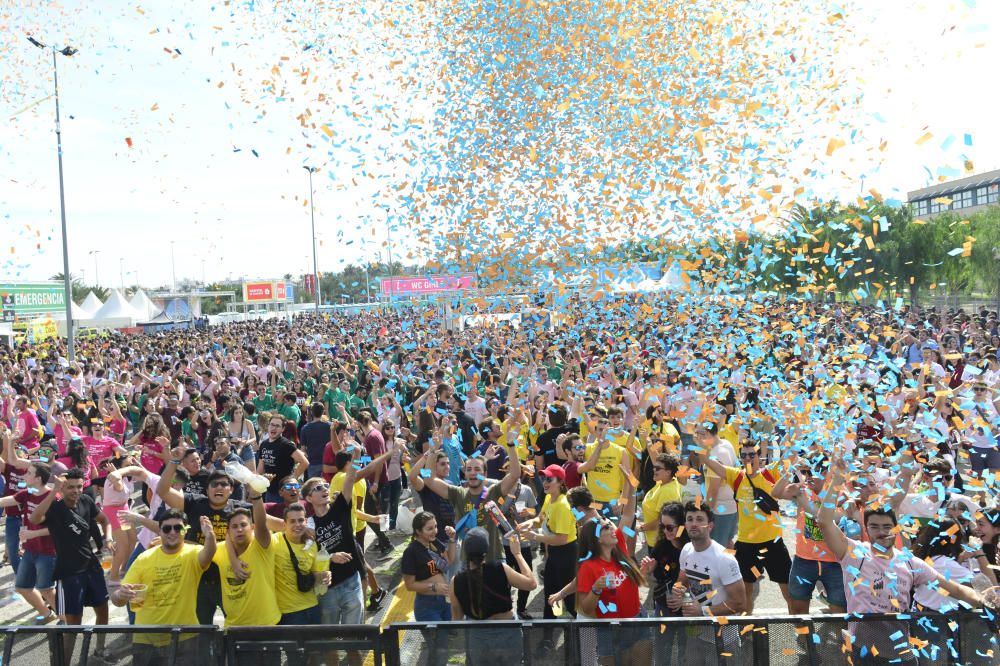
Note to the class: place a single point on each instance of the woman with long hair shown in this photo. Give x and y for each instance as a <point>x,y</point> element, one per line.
<point>241,432</point>
<point>210,428</point>
<point>483,592</point>
<point>425,567</point>
<point>607,586</point>
<point>153,428</point>
<point>988,530</point>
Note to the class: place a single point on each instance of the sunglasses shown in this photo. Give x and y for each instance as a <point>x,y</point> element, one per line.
<point>669,528</point>
<point>748,456</point>
<point>219,484</point>
<point>546,479</point>
<point>291,486</point>
<point>167,529</point>
<point>580,447</point>
<point>320,486</point>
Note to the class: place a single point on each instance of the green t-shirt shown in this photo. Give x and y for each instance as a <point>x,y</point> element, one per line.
<point>264,403</point>
<point>291,413</point>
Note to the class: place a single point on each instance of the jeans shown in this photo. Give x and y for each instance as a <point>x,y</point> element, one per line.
<point>344,603</point>
<point>725,528</point>
<point>314,470</point>
<point>12,541</point>
<point>427,608</point>
<point>431,608</point>
<point>136,552</point>
<point>804,575</point>
<point>388,496</point>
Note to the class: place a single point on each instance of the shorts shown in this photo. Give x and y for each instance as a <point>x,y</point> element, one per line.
<point>344,603</point>
<point>615,640</point>
<point>306,616</point>
<point>984,458</point>
<point>111,511</point>
<point>35,571</point>
<point>770,556</point>
<point>80,590</point>
<point>806,573</point>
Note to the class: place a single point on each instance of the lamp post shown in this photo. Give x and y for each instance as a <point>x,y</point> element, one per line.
<point>66,51</point>
<point>97,274</point>
<point>312,218</point>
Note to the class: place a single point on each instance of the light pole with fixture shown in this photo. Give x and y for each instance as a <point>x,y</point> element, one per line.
<point>312,218</point>
<point>97,274</point>
<point>66,51</point>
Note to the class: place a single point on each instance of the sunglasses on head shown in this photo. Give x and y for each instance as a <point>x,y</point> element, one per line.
<point>167,529</point>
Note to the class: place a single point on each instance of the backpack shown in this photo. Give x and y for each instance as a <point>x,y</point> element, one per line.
<point>761,497</point>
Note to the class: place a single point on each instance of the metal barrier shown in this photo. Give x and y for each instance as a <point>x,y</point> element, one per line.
<point>965,639</point>
<point>955,639</point>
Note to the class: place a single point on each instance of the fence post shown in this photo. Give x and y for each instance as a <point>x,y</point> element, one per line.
<point>761,645</point>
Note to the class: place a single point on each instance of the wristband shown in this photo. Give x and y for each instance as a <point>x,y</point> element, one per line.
<point>254,499</point>
<point>594,592</point>
<point>175,462</point>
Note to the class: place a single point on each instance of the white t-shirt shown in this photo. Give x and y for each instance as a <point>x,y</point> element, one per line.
<point>476,408</point>
<point>708,572</point>
<point>932,599</point>
<point>725,500</point>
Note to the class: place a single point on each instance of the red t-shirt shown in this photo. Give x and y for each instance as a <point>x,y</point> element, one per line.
<point>28,422</point>
<point>619,598</point>
<point>329,459</point>
<point>573,477</point>
<point>11,477</point>
<point>28,502</point>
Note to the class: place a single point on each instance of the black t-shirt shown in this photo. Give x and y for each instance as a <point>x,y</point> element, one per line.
<point>277,459</point>
<point>666,571</point>
<point>198,483</point>
<point>314,437</point>
<point>72,530</point>
<point>442,509</point>
<point>196,506</point>
<point>422,562</point>
<point>467,426</point>
<point>546,442</point>
<point>335,534</point>
<point>495,596</point>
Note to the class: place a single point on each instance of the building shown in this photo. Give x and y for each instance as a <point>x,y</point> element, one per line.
<point>965,195</point>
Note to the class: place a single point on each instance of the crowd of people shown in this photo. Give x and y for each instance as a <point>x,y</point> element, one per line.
<point>652,452</point>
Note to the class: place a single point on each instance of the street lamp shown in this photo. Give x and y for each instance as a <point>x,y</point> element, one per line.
<point>66,51</point>
<point>173,267</point>
<point>97,275</point>
<point>312,217</point>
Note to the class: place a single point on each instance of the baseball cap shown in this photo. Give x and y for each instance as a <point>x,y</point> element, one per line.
<point>556,471</point>
<point>476,542</point>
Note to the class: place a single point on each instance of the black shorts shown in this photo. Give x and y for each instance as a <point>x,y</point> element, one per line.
<point>756,558</point>
<point>79,590</point>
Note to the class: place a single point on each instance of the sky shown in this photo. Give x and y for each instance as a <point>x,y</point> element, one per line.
<point>184,141</point>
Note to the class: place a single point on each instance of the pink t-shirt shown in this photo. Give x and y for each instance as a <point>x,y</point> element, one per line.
<point>118,428</point>
<point>62,439</point>
<point>149,460</point>
<point>879,585</point>
<point>28,424</point>
<point>98,450</point>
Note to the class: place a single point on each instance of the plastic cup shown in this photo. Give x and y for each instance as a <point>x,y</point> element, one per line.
<point>557,608</point>
<point>383,522</point>
<point>323,558</point>
<point>106,562</point>
<point>123,519</point>
<point>140,596</point>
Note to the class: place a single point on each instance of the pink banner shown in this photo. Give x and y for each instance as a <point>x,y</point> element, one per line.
<point>429,284</point>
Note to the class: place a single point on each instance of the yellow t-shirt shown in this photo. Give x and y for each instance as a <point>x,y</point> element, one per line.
<point>522,439</point>
<point>729,433</point>
<point>249,602</point>
<point>171,589</point>
<point>360,490</point>
<point>754,526</point>
<point>557,517</point>
<point>286,589</point>
<point>658,495</point>
<point>606,481</point>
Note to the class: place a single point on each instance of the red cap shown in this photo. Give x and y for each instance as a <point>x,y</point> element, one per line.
<point>556,471</point>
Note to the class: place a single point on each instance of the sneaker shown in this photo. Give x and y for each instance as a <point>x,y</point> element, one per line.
<point>103,656</point>
<point>375,600</point>
<point>46,619</point>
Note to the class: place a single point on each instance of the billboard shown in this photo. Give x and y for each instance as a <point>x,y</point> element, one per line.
<point>266,292</point>
<point>26,300</point>
<point>416,285</point>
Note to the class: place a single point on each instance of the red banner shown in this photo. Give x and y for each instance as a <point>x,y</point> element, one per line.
<point>260,291</point>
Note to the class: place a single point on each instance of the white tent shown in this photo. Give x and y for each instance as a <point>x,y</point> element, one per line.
<point>116,313</point>
<point>79,314</point>
<point>91,304</point>
<point>140,303</point>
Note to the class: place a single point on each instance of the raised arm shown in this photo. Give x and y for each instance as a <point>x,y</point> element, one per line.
<point>832,533</point>
<point>513,475</point>
<point>260,530</point>
<point>164,489</point>
<point>208,550</point>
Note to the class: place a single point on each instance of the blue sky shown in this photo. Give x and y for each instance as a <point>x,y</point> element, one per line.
<point>185,81</point>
